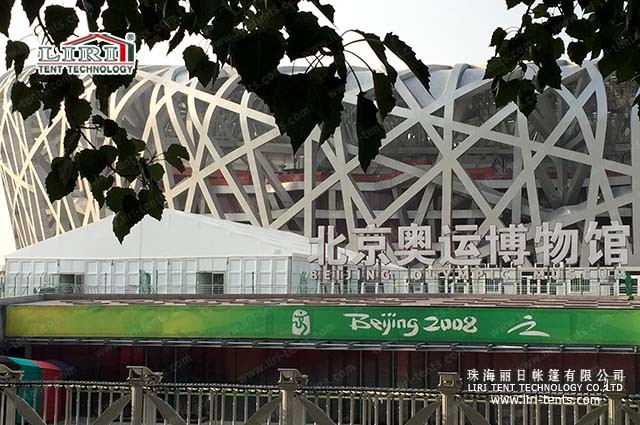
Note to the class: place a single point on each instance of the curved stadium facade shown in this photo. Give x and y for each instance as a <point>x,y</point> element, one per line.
<point>450,157</point>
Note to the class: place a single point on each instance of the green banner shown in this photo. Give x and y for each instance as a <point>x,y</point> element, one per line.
<point>344,323</point>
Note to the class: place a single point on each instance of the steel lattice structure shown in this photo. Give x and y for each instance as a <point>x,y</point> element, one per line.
<point>449,158</point>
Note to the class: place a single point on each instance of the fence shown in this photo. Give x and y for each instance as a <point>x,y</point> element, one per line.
<point>144,399</point>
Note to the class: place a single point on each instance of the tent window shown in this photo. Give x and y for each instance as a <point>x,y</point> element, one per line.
<point>65,283</point>
<point>208,283</point>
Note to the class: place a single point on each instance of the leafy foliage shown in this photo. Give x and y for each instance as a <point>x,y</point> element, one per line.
<point>199,65</point>
<point>60,22</point>
<point>370,131</point>
<point>525,61</point>
<point>252,36</point>
<point>16,53</point>
<point>408,56</point>
<point>5,16</point>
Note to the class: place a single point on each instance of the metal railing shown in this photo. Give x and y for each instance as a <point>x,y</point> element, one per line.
<point>144,399</point>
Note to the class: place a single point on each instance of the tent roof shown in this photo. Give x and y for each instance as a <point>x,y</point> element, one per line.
<point>177,235</point>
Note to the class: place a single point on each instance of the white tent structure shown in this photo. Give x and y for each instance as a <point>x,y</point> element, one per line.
<point>182,253</point>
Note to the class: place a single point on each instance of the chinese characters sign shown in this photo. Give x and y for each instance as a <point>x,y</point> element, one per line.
<point>461,245</point>
<point>537,380</point>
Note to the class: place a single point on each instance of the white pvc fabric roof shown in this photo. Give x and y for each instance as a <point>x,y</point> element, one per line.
<point>177,235</point>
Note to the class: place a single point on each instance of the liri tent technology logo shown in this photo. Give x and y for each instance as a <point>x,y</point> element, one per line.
<point>93,54</point>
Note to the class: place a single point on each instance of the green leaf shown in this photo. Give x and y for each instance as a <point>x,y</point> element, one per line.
<point>513,49</point>
<point>556,24</point>
<point>580,29</point>
<point>153,201</point>
<point>176,39</point>
<point>138,145</point>
<point>627,66</point>
<point>557,46</point>
<point>567,7</point>
<point>61,180</point>
<point>124,222</point>
<point>295,108</point>
<point>383,87</point>
<point>306,37</point>
<point>128,167</point>
<point>495,67</point>
<point>330,106</point>
<point>116,195</point>
<point>577,51</point>
<point>114,21</point>
<point>175,155</point>
<point>99,185</point>
<point>204,10</point>
<point>378,48</point>
<point>110,153</point>
<point>98,120</point>
<point>369,131</point>
<point>129,214</point>
<point>5,16</point>
<point>61,22</point>
<point>32,8</point>
<point>498,37</point>
<point>121,226</point>
<point>256,57</point>
<point>91,162</point>
<point>408,56</point>
<point>549,74</point>
<point>110,128</point>
<point>92,9</point>
<point>326,9</point>
<point>221,32</point>
<point>16,53</point>
<point>268,20</point>
<point>126,146</point>
<point>156,172</point>
<point>519,91</point>
<point>56,87</point>
<point>71,139</point>
<point>108,84</point>
<point>513,3</point>
<point>199,65</point>
<point>124,16</point>
<point>341,65</point>
<point>152,19</point>
<point>608,64</point>
<point>526,98</point>
<point>541,11</point>
<point>77,111</point>
<point>505,91</point>
<point>327,92</point>
<point>24,99</point>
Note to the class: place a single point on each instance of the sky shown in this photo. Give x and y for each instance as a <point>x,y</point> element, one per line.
<point>443,32</point>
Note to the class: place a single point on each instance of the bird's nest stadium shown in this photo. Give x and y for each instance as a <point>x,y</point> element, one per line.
<point>450,157</point>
